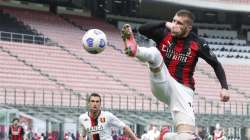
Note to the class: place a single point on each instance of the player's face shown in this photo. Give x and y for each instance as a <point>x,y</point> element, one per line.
<point>15,122</point>
<point>181,27</point>
<point>95,103</point>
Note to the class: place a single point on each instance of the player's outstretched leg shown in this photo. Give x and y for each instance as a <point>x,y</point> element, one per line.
<point>150,55</point>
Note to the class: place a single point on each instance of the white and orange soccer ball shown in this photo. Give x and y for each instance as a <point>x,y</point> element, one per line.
<point>94,41</point>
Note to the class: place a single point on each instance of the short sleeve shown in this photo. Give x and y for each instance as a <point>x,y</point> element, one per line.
<point>116,122</point>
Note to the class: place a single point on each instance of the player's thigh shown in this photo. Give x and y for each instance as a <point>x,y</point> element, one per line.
<point>182,93</point>
<point>182,104</point>
<point>160,86</point>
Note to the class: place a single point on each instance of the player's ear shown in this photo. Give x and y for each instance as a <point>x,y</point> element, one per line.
<point>190,27</point>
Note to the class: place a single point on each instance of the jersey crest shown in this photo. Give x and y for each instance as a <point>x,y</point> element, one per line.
<point>102,119</point>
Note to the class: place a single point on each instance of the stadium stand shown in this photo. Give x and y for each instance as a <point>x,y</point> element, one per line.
<point>69,36</point>
<point>10,24</point>
<point>57,78</point>
<point>218,33</point>
<point>63,68</point>
<point>224,42</point>
<point>13,30</point>
<point>86,23</point>
<point>17,75</point>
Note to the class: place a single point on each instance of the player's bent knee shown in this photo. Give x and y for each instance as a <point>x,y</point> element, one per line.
<point>185,128</point>
<point>185,122</point>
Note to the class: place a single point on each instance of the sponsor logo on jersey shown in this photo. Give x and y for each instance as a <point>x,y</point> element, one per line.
<point>170,53</point>
<point>95,129</point>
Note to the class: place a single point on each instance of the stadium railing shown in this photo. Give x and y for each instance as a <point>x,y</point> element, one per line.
<point>116,102</point>
<point>24,38</point>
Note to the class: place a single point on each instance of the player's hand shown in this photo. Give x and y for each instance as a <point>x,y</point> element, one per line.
<point>169,25</point>
<point>173,27</point>
<point>224,95</point>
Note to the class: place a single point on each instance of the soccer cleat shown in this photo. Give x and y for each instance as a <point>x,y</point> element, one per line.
<point>129,40</point>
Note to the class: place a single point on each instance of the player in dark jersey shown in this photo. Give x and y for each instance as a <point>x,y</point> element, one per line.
<point>16,131</point>
<point>172,63</point>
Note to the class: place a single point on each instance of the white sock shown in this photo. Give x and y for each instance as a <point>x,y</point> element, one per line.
<point>150,55</point>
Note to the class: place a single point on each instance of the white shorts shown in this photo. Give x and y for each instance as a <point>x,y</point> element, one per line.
<point>179,97</point>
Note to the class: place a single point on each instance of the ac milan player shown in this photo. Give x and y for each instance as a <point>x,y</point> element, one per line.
<point>172,63</point>
<point>16,131</point>
<point>97,124</point>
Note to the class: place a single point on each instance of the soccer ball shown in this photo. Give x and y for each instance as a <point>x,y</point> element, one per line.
<point>94,41</point>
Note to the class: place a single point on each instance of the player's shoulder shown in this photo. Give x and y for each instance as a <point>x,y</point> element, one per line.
<point>106,113</point>
<point>84,118</point>
<point>201,41</point>
<point>84,115</point>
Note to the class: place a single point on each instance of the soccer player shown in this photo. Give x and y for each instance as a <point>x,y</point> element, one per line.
<point>16,131</point>
<point>97,124</point>
<point>218,133</point>
<point>172,63</point>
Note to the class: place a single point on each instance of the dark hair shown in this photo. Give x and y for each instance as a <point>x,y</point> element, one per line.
<point>15,119</point>
<point>94,95</point>
<point>186,13</point>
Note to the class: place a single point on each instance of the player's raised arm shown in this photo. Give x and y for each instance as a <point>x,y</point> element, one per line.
<point>155,31</point>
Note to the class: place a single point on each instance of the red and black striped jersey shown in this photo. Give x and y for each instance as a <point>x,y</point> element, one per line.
<point>16,132</point>
<point>181,54</point>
